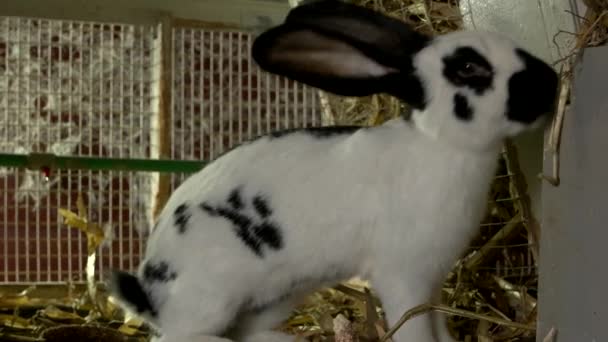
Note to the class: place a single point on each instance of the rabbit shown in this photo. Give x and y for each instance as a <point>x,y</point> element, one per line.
<point>239,243</point>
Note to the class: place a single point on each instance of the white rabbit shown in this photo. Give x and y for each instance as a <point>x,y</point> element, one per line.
<point>242,240</point>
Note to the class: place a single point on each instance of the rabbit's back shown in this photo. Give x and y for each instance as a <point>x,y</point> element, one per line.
<point>297,205</point>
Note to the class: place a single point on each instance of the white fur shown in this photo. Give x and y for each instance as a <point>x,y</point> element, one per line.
<point>489,122</point>
<point>396,204</point>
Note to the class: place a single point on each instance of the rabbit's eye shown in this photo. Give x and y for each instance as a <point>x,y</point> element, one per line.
<point>470,69</point>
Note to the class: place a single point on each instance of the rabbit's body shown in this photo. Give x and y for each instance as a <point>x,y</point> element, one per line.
<point>375,206</point>
<point>340,218</point>
<point>276,218</point>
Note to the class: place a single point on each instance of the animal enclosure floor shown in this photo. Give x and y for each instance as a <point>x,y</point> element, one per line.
<point>65,313</point>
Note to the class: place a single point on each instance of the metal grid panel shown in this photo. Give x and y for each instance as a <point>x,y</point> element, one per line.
<point>76,88</point>
<point>505,246</point>
<point>81,88</point>
<point>220,97</point>
<point>515,260</point>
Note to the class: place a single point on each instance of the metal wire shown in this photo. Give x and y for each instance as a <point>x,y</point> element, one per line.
<point>236,102</point>
<point>70,88</point>
<point>84,89</point>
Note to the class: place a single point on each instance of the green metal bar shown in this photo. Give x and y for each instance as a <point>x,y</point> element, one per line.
<point>38,161</point>
<point>13,160</point>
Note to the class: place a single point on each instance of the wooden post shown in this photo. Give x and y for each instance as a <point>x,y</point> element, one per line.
<point>165,104</point>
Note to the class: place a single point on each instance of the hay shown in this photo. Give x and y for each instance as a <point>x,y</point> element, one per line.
<point>68,314</point>
<point>63,314</point>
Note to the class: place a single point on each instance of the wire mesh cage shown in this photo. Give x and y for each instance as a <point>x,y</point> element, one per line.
<point>498,275</point>
<point>221,98</point>
<point>91,89</point>
<point>72,88</point>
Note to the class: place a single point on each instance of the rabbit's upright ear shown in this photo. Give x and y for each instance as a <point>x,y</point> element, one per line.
<point>344,49</point>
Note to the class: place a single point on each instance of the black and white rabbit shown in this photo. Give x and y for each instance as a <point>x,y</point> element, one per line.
<point>242,240</point>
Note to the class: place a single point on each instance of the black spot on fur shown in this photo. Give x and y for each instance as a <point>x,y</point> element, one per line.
<point>181,209</point>
<point>181,216</point>
<point>238,219</point>
<point>249,240</point>
<point>127,287</point>
<point>468,68</point>
<point>331,131</point>
<point>532,91</point>
<point>208,209</point>
<point>182,223</point>
<point>462,109</point>
<point>253,232</point>
<point>269,233</point>
<point>159,272</point>
<point>261,207</point>
<point>318,132</point>
<point>241,224</point>
<point>235,200</point>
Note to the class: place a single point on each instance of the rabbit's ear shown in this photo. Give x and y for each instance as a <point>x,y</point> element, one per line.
<point>344,49</point>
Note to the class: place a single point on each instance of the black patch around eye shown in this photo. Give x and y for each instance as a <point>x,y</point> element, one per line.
<point>532,91</point>
<point>455,63</point>
<point>235,200</point>
<point>462,109</point>
<point>261,207</point>
<point>159,272</point>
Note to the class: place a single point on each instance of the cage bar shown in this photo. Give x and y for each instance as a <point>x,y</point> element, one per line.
<point>84,103</point>
<point>68,88</point>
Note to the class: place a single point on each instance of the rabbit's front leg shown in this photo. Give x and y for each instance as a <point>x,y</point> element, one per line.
<point>402,291</point>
